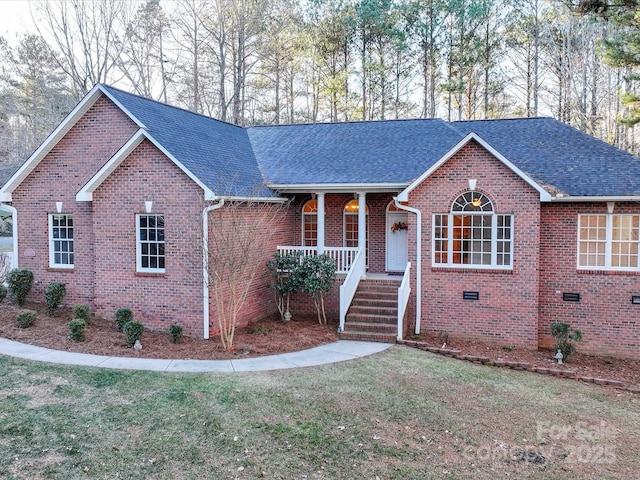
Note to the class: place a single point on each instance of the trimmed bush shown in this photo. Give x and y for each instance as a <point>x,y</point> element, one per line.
<point>3,293</point>
<point>176,333</point>
<point>83,312</point>
<point>132,332</point>
<point>565,338</point>
<point>20,281</point>
<point>54,294</point>
<point>26,318</point>
<point>123,315</point>
<point>76,329</point>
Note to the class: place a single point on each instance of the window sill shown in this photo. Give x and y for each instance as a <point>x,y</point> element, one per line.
<point>61,269</point>
<point>456,269</point>
<point>150,274</point>
<point>608,272</point>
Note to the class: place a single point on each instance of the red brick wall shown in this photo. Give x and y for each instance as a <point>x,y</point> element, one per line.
<point>242,238</point>
<point>609,322</point>
<point>507,311</point>
<point>157,300</point>
<point>58,177</point>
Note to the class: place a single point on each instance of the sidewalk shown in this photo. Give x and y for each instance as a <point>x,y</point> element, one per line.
<point>339,351</point>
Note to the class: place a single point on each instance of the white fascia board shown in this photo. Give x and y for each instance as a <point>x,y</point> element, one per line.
<point>61,130</point>
<point>251,199</point>
<point>338,187</point>
<point>404,195</point>
<point>85,194</point>
<point>121,107</point>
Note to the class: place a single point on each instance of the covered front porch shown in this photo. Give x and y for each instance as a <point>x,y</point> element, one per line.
<point>366,234</point>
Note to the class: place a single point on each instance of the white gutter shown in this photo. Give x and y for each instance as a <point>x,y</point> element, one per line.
<point>14,227</point>
<point>418,259</point>
<point>205,264</point>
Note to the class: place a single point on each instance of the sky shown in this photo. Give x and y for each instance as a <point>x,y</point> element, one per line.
<point>14,18</point>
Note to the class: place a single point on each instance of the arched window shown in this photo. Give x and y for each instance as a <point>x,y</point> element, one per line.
<point>310,224</point>
<point>351,223</point>
<point>473,234</point>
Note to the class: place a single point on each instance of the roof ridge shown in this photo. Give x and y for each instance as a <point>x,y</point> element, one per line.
<point>167,105</point>
<point>347,122</point>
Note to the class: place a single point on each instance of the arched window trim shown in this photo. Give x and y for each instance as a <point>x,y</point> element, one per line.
<point>472,235</point>
<point>310,223</point>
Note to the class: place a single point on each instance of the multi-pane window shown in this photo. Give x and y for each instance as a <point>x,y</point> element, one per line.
<point>351,224</point>
<point>310,224</point>
<point>150,243</point>
<point>61,241</point>
<point>608,242</point>
<point>472,234</point>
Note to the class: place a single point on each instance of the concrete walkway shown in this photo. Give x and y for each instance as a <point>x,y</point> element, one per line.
<point>339,351</point>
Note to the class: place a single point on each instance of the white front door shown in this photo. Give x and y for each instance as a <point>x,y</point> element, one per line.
<point>396,242</point>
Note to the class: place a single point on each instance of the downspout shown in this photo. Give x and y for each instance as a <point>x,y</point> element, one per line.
<point>205,264</point>
<point>14,230</point>
<point>418,259</point>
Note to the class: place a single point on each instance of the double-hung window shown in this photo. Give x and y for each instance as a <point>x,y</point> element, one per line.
<point>150,243</point>
<point>473,235</point>
<point>60,240</point>
<point>310,224</point>
<point>608,242</point>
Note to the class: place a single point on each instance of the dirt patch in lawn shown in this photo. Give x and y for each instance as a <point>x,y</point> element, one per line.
<point>266,337</point>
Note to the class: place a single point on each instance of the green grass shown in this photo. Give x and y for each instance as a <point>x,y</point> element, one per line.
<point>402,414</point>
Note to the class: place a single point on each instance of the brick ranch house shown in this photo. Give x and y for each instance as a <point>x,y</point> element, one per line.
<point>487,230</point>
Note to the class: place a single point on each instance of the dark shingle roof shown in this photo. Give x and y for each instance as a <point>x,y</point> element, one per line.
<point>555,154</point>
<point>238,161</point>
<point>219,154</point>
<point>356,152</point>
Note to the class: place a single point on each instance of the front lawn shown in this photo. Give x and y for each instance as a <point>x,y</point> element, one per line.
<point>403,414</point>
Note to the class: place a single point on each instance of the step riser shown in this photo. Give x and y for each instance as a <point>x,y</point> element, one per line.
<point>374,310</point>
<point>366,318</point>
<point>370,327</point>
<point>368,337</point>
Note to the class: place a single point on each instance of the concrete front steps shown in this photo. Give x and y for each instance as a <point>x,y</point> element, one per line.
<point>373,314</point>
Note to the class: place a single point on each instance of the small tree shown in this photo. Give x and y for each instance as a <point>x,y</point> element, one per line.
<point>318,274</point>
<point>565,336</point>
<point>54,294</point>
<point>285,280</point>
<point>20,281</point>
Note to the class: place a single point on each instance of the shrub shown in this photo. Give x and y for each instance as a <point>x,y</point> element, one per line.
<point>176,333</point>
<point>3,293</point>
<point>20,281</point>
<point>26,318</point>
<point>123,315</point>
<point>82,312</point>
<point>565,336</point>
<point>53,295</point>
<point>132,332</point>
<point>318,274</point>
<point>76,329</point>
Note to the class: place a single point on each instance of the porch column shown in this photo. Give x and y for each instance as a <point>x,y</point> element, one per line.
<point>362,220</point>
<point>320,223</point>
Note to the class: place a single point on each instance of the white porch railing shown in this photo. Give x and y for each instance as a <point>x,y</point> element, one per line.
<point>343,256</point>
<point>350,285</point>
<point>404,290</point>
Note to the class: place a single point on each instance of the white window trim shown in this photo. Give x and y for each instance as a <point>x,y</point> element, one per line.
<point>608,249</point>
<point>303,234</point>
<point>52,255</point>
<point>139,267</point>
<point>494,242</point>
